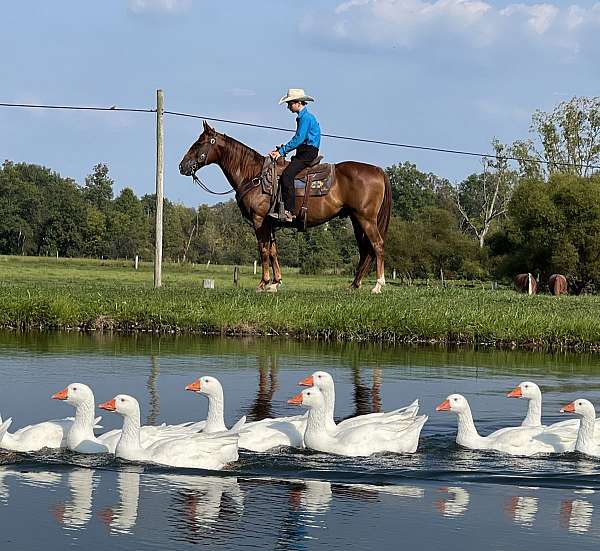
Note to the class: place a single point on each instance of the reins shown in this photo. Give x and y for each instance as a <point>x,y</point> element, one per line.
<point>207,189</point>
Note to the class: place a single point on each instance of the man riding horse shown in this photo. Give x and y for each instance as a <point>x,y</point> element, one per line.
<point>306,142</point>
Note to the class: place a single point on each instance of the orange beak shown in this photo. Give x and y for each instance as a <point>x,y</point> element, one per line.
<point>516,393</point>
<point>296,400</point>
<point>62,395</point>
<point>444,406</point>
<point>109,406</point>
<point>309,381</point>
<point>569,408</point>
<point>194,387</point>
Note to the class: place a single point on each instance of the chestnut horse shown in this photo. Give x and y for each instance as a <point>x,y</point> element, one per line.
<point>526,283</point>
<point>360,191</point>
<point>558,284</point>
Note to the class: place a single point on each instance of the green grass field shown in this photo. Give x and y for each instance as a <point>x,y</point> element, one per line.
<point>47,293</point>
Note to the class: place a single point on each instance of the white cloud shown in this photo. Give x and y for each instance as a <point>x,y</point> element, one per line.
<point>448,24</point>
<point>168,7</point>
<point>242,92</point>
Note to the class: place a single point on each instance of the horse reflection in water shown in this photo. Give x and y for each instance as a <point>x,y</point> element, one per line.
<point>76,512</point>
<point>576,515</point>
<point>366,399</point>
<point>121,518</point>
<point>262,407</point>
<point>456,504</point>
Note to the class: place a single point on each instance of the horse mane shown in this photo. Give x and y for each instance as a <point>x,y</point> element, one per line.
<point>244,158</point>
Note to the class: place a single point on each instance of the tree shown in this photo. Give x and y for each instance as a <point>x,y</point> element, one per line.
<point>98,189</point>
<point>483,198</point>
<point>412,190</point>
<point>568,140</point>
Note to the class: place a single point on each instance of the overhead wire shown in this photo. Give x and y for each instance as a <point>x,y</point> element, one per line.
<point>324,134</point>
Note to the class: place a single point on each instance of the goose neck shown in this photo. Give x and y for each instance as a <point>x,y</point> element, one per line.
<point>130,435</point>
<point>215,420</point>
<point>534,413</point>
<point>467,433</point>
<point>585,437</point>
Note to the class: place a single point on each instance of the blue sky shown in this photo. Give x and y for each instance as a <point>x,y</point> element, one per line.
<point>446,73</point>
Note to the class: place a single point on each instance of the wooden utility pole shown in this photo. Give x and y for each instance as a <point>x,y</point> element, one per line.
<point>160,161</point>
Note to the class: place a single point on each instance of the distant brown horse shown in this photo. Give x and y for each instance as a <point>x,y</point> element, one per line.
<point>558,284</point>
<point>360,191</point>
<point>526,283</point>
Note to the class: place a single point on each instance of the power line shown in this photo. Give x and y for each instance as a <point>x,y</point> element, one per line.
<point>280,129</point>
<point>77,107</point>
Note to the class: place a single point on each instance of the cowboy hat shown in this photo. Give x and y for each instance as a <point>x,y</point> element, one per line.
<point>295,94</point>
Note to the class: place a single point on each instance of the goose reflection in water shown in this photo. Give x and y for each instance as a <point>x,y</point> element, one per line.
<point>76,512</point>
<point>204,503</point>
<point>122,517</point>
<point>522,509</point>
<point>37,479</point>
<point>456,504</point>
<point>576,515</point>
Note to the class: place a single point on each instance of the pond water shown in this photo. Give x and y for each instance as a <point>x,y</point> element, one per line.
<point>292,499</point>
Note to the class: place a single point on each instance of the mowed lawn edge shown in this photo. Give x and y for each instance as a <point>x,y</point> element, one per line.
<point>95,295</point>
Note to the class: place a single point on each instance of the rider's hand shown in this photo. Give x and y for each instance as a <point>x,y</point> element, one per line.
<point>275,154</point>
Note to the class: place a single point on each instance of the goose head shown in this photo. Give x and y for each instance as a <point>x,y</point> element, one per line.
<point>320,379</point>
<point>527,390</point>
<point>123,404</point>
<point>581,406</point>
<point>310,397</point>
<point>75,394</point>
<point>209,386</point>
<point>456,403</point>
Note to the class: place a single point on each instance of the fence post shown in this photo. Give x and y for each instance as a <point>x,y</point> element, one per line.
<point>236,275</point>
<point>137,258</point>
<point>160,157</point>
<point>255,267</point>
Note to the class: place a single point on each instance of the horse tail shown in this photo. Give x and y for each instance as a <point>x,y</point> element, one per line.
<point>383,217</point>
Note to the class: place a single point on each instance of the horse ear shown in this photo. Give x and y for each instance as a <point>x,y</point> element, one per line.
<point>205,126</point>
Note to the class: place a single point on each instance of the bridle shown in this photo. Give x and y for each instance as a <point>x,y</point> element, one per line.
<point>198,165</point>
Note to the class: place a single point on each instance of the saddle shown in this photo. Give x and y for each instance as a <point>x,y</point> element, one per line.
<point>314,181</point>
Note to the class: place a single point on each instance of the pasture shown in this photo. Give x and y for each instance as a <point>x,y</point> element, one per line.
<point>82,294</point>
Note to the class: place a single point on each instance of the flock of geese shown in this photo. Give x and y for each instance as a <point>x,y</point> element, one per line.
<point>210,444</point>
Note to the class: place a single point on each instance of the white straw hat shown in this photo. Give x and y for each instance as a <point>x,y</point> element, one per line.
<point>295,94</point>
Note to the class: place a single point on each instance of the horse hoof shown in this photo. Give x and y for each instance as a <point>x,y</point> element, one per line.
<point>260,289</point>
<point>272,288</point>
<point>376,290</point>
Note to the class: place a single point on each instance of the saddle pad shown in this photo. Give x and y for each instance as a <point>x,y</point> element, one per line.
<point>318,188</point>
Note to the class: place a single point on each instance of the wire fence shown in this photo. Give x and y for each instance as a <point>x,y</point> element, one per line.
<point>451,151</point>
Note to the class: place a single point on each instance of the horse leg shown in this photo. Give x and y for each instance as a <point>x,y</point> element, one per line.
<point>263,236</point>
<point>376,241</point>
<point>274,261</point>
<point>365,252</point>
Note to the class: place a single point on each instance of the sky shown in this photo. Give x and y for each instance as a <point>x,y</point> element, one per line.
<point>443,73</point>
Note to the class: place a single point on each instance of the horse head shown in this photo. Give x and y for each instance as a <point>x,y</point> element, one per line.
<point>204,151</point>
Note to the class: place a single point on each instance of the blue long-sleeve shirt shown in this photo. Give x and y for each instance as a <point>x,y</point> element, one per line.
<point>308,132</point>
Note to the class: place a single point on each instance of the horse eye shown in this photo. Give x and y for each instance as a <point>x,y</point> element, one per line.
<point>212,141</point>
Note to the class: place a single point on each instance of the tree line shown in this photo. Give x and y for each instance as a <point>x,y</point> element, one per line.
<point>533,207</point>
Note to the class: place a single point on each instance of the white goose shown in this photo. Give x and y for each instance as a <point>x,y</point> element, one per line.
<point>511,440</point>
<point>257,436</point>
<point>199,451</point>
<point>324,382</point>
<point>81,438</point>
<point>32,438</point>
<point>566,430</point>
<point>399,436</point>
<point>585,442</point>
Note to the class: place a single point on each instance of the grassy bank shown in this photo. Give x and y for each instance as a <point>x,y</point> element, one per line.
<point>94,295</point>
